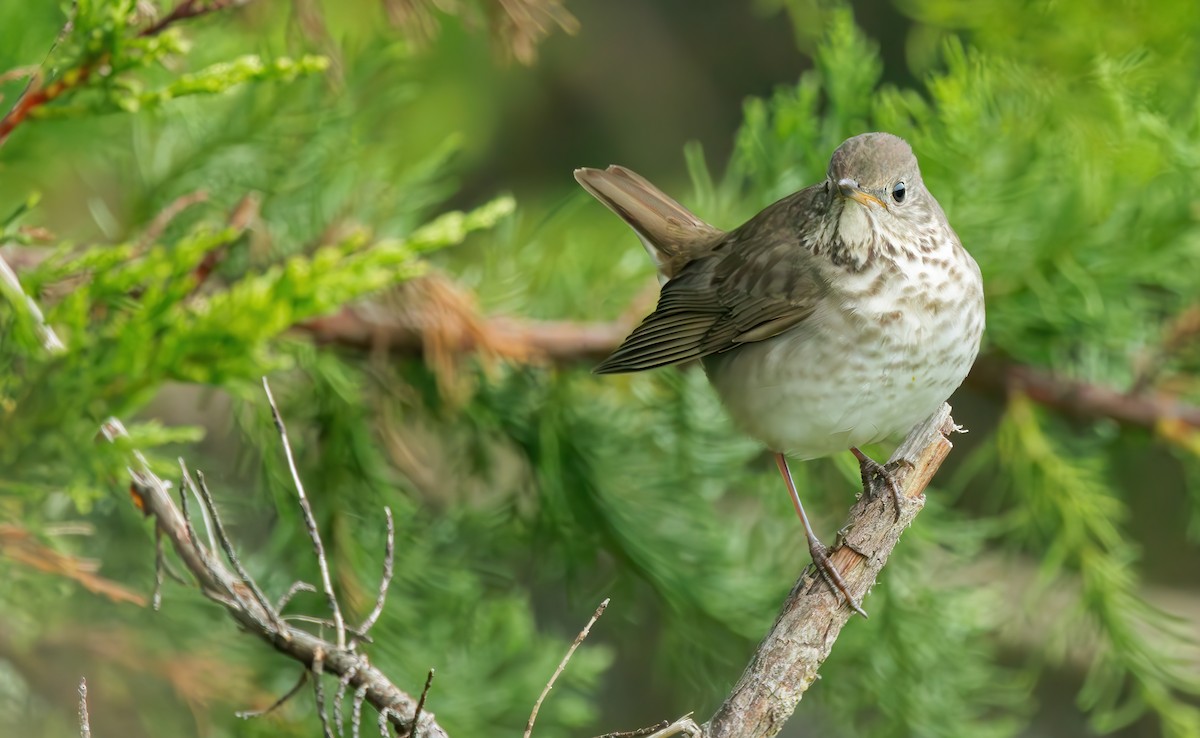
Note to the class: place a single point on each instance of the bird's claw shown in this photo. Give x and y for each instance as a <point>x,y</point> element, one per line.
<point>832,577</point>
<point>874,473</point>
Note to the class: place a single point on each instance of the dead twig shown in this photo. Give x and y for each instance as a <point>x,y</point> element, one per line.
<point>389,556</point>
<point>339,696</point>
<point>153,497</point>
<point>360,696</point>
<point>189,9</point>
<point>421,703</point>
<point>310,521</point>
<point>638,732</point>
<point>563,665</point>
<point>296,588</point>
<point>318,668</point>
<point>164,217</point>
<point>231,556</point>
<point>85,728</point>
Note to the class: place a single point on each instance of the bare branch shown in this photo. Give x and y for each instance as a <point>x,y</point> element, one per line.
<point>360,695</point>
<point>231,556</point>
<point>296,588</point>
<point>159,567</point>
<point>85,728</point>
<point>310,520</point>
<point>1073,397</point>
<point>153,497</point>
<point>340,696</point>
<point>389,555</point>
<point>318,668</point>
<point>421,703</point>
<point>639,732</point>
<point>787,660</point>
<point>683,726</point>
<point>563,665</point>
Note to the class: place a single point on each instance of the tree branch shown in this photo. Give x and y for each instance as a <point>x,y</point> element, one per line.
<point>232,591</point>
<point>37,93</point>
<point>567,341</point>
<point>787,660</point>
<point>1081,399</point>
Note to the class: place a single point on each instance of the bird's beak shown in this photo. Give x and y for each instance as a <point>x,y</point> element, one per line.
<point>851,191</point>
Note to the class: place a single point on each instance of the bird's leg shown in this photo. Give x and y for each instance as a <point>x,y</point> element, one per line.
<point>872,473</point>
<point>820,555</point>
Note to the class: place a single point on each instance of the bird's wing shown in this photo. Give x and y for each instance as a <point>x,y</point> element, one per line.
<point>757,283</point>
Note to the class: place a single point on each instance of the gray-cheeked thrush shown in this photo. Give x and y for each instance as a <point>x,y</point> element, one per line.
<point>841,315</point>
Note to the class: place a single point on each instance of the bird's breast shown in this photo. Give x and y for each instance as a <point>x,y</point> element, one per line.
<point>878,356</point>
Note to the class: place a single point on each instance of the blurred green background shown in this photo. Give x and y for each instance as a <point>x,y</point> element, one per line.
<point>1049,588</point>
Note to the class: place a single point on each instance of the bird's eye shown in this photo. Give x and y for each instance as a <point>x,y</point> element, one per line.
<point>898,192</point>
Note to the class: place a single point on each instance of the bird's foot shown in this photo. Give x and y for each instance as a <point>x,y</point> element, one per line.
<point>876,475</point>
<point>829,572</point>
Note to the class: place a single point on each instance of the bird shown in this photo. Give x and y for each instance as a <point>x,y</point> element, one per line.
<point>839,316</point>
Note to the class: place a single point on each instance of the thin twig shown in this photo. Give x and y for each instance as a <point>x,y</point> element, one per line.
<point>389,553</point>
<point>310,520</point>
<point>296,588</point>
<point>563,665</point>
<point>164,217</point>
<point>649,729</point>
<point>160,566</point>
<point>683,726</point>
<point>360,696</point>
<point>227,546</point>
<point>340,696</point>
<point>189,9</point>
<point>249,714</point>
<point>85,728</point>
<point>185,488</point>
<point>186,510</point>
<point>416,723</point>
<point>318,668</point>
<point>16,294</point>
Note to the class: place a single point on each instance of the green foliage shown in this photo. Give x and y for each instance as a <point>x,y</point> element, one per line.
<point>1061,139</point>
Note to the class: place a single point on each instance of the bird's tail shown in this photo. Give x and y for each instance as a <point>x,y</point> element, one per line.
<point>668,230</point>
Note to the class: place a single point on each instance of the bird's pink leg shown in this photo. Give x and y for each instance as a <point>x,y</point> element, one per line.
<point>820,555</point>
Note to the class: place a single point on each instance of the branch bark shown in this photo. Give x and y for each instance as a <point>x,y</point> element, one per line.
<point>786,662</point>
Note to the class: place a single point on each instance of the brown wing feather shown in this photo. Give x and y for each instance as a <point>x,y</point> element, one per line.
<point>757,282</point>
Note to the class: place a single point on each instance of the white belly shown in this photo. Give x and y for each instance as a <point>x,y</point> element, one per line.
<point>840,381</point>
